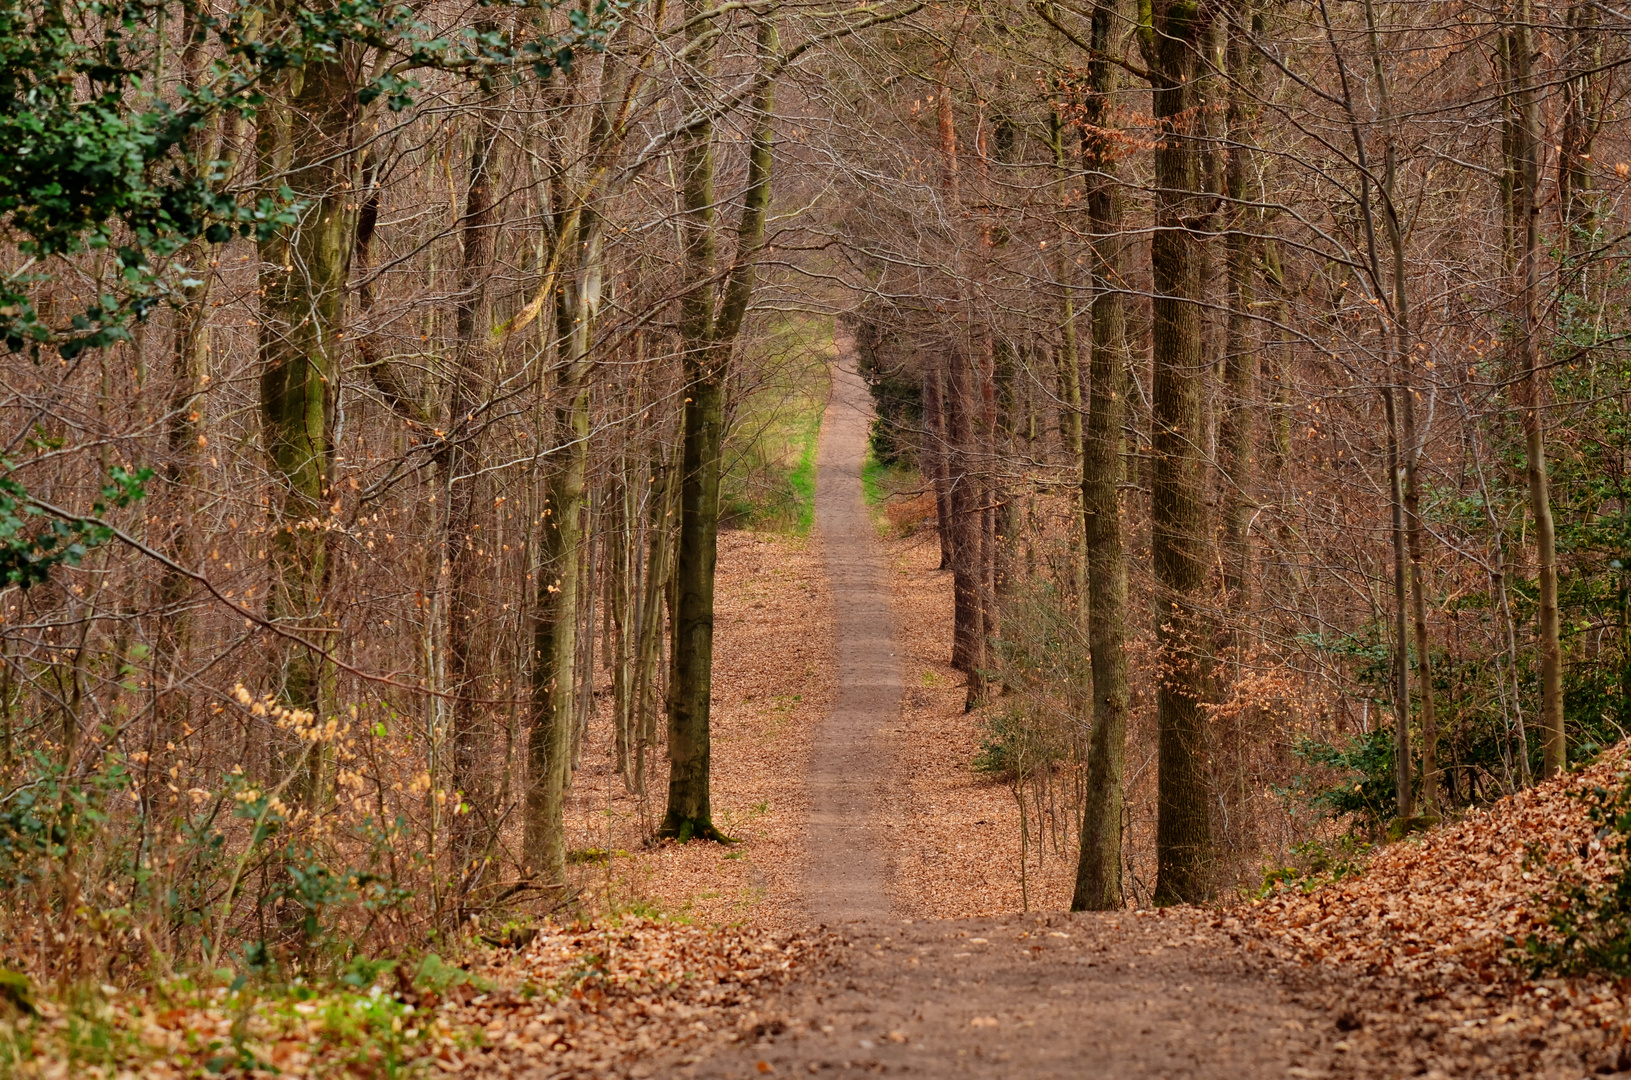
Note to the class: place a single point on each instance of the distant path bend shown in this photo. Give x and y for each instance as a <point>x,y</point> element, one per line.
<point>846,849</point>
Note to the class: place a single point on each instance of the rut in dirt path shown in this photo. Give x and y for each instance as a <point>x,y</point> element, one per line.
<point>846,847</point>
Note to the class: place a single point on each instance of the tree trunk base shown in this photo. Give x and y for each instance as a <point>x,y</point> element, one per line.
<point>684,830</point>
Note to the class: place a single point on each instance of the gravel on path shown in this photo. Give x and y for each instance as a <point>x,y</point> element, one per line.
<point>846,847</point>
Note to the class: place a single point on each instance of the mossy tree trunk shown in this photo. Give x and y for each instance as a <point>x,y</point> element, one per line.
<point>308,135</point>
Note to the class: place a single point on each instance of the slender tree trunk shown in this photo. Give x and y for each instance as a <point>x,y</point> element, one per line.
<point>474,827</point>
<point>932,457</point>
<point>1098,870</point>
<point>1525,114</point>
<point>659,575</point>
<point>1404,450</point>
<point>963,496</point>
<point>555,637</point>
<point>708,335</point>
<point>1178,519</point>
<point>1404,786</point>
<point>1237,432</point>
<point>968,622</point>
<point>1070,379</point>
<point>1582,115</point>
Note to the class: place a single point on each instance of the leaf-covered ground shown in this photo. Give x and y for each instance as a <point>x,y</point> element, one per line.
<point>617,1000</point>
<point>1420,954</point>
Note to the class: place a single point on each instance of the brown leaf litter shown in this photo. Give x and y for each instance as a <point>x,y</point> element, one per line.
<point>625,1000</point>
<point>1419,954</point>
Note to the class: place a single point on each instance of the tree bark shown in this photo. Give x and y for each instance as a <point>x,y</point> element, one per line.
<point>1178,520</point>
<point>474,827</point>
<point>308,137</point>
<point>1525,115</point>
<point>932,457</point>
<point>1098,868</point>
<point>708,336</point>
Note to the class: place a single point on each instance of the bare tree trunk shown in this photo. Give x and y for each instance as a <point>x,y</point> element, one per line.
<point>1404,787</point>
<point>1525,114</point>
<point>475,827</point>
<point>1178,518</point>
<point>1237,432</point>
<point>555,638</point>
<point>1069,363</point>
<point>708,336</point>
<point>967,524</point>
<point>933,454</point>
<point>1098,869</point>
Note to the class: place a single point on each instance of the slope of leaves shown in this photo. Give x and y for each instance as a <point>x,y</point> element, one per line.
<point>1422,952</point>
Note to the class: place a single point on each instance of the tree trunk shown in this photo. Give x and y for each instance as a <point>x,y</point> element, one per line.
<point>932,457</point>
<point>708,336</point>
<point>555,635</point>
<point>1236,432</point>
<point>1525,114</point>
<point>474,827</point>
<point>1178,520</point>
<point>1069,360</point>
<point>309,139</point>
<point>1098,870</point>
<point>967,525</point>
<point>1403,785</point>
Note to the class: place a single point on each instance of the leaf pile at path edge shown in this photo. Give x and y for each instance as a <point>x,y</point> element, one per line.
<point>1421,951</point>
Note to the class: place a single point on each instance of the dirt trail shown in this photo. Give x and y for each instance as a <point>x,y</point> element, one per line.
<point>1122,994</point>
<point>846,842</point>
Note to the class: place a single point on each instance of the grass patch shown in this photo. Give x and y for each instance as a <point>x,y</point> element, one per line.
<point>177,1029</point>
<point>778,398</point>
<point>897,496</point>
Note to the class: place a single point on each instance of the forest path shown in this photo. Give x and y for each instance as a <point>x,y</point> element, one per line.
<point>1033,995</point>
<point>846,845</point>
<point>1040,996</point>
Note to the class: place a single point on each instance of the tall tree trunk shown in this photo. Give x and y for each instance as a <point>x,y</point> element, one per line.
<point>1237,432</point>
<point>1404,450</point>
<point>1098,869</point>
<point>963,497</point>
<point>555,633</point>
<point>475,827</point>
<point>1178,519</point>
<point>1525,141</point>
<point>1070,380</point>
<point>308,137</point>
<point>933,456</point>
<point>185,437</point>
<point>708,336</point>
<point>967,524</point>
<point>1404,786</point>
<point>1582,115</point>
